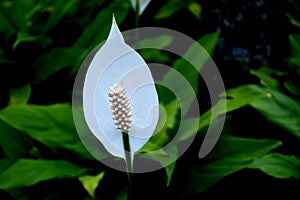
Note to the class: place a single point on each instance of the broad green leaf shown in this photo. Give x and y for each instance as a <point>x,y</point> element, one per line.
<point>169,170</point>
<point>27,172</point>
<point>293,20</point>
<point>158,140</point>
<point>230,155</point>
<point>264,74</point>
<point>235,99</point>
<point>278,165</point>
<point>90,183</point>
<point>159,42</point>
<point>167,160</point>
<point>196,9</point>
<point>208,42</point>
<point>20,13</point>
<point>155,55</point>
<point>11,142</point>
<point>294,59</point>
<point>97,31</point>
<point>6,25</point>
<point>57,59</point>
<point>155,146</point>
<point>25,37</point>
<point>58,9</point>
<point>4,164</point>
<point>170,8</point>
<point>20,95</point>
<point>281,110</point>
<point>52,125</point>
<point>292,87</point>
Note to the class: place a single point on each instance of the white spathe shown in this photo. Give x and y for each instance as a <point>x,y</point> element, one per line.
<point>143,5</point>
<point>117,63</point>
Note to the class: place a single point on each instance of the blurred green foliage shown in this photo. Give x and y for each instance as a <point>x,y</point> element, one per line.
<point>42,45</point>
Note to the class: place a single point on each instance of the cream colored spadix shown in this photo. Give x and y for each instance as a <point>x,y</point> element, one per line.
<point>118,65</point>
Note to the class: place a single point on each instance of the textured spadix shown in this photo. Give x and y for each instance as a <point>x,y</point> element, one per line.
<point>116,63</point>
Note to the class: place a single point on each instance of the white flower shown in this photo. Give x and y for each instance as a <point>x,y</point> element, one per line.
<point>142,4</point>
<point>119,94</point>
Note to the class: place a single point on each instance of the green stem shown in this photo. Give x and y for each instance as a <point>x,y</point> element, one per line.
<point>137,13</point>
<point>128,163</point>
<point>137,21</point>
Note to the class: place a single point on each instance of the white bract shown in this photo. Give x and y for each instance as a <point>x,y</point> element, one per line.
<point>143,4</point>
<point>118,65</point>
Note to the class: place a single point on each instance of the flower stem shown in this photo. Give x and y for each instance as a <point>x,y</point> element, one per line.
<point>128,163</point>
<point>137,13</point>
<point>137,21</point>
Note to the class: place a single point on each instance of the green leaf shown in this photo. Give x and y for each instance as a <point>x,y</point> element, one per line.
<point>6,24</point>
<point>52,125</point>
<point>278,165</point>
<point>190,70</point>
<point>27,172</point>
<point>19,13</point>
<point>294,59</point>
<point>57,59</point>
<point>169,170</point>
<point>280,109</point>
<point>159,42</point>
<point>11,142</point>
<point>235,98</point>
<point>90,183</point>
<point>170,8</point>
<point>97,31</point>
<point>155,146</point>
<point>167,121</point>
<point>25,37</point>
<point>292,87</point>
<point>4,164</point>
<point>265,76</point>
<point>196,9</point>
<point>20,95</point>
<point>58,9</point>
<point>231,154</point>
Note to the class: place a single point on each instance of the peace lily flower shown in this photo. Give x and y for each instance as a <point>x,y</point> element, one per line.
<point>119,97</point>
<point>142,5</point>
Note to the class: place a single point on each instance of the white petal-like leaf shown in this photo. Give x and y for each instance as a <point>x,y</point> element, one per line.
<point>143,4</point>
<point>117,63</point>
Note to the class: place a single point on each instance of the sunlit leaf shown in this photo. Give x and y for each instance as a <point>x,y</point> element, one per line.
<point>90,183</point>
<point>27,172</point>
